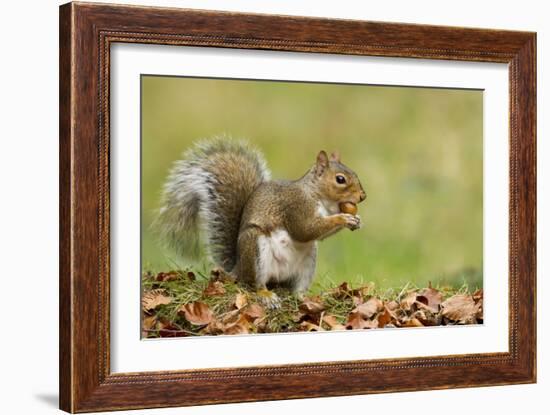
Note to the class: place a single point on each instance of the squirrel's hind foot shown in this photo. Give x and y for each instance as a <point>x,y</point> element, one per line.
<point>269,299</point>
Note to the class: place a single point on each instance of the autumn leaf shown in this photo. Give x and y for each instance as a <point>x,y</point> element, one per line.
<point>370,308</point>
<point>427,317</point>
<point>168,329</point>
<point>433,297</point>
<point>387,316</point>
<point>154,298</point>
<point>311,306</point>
<point>219,274</point>
<point>149,323</point>
<point>340,292</point>
<point>309,326</point>
<point>253,312</point>
<point>413,322</point>
<point>214,327</point>
<point>214,288</point>
<point>357,322</point>
<point>392,305</point>
<point>407,302</point>
<point>241,326</point>
<point>460,308</point>
<point>332,322</point>
<point>196,313</point>
<point>230,317</point>
<point>167,276</point>
<point>241,300</point>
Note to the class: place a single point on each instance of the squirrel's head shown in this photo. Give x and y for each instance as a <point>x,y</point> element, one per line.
<point>337,182</point>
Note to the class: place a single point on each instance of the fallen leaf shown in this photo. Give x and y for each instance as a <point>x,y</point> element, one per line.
<point>168,329</point>
<point>385,317</point>
<point>240,300</point>
<point>191,275</point>
<point>214,288</point>
<point>152,299</point>
<point>219,274</point>
<point>149,323</point>
<point>356,321</point>
<point>308,326</point>
<point>478,295</point>
<point>230,316</point>
<point>407,302</point>
<point>311,306</point>
<point>167,276</point>
<point>413,322</point>
<point>214,327</point>
<point>434,298</point>
<point>196,313</point>
<point>460,308</point>
<point>342,291</point>
<point>427,317</point>
<point>392,305</point>
<point>370,308</point>
<point>332,322</point>
<point>241,326</point>
<point>253,312</point>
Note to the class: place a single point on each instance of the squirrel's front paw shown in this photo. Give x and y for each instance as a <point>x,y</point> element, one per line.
<point>352,222</point>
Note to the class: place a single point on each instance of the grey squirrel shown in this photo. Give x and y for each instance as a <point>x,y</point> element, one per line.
<point>259,230</point>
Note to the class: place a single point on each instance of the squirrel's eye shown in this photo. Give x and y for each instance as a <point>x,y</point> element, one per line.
<point>340,179</point>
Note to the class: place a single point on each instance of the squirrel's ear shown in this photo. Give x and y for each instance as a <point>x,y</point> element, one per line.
<point>322,163</point>
<point>335,156</point>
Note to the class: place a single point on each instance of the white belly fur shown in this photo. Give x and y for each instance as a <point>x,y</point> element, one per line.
<point>281,258</point>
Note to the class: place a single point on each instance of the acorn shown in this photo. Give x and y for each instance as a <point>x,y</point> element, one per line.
<point>348,207</point>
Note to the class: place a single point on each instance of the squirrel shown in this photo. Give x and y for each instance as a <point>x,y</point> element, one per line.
<point>260,231</point>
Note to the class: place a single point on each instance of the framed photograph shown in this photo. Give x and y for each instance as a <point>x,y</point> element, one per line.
<point>259,207</point>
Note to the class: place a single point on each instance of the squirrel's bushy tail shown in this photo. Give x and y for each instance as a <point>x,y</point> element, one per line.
<point>205,194</point>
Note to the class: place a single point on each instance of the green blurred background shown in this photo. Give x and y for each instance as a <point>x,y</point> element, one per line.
<point>417,151</point>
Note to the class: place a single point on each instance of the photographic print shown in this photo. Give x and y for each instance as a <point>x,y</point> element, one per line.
<point>310,196</point>
<point>276,207</point>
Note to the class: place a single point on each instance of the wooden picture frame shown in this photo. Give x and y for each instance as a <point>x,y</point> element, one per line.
<point>86,33</point>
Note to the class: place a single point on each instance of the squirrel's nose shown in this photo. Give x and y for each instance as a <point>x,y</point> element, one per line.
<point>362,196</point>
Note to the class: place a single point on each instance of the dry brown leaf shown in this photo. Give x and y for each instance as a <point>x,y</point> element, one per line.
<point>413,322</point>
<point>433,297</point>
<point>385,317</point>
<point>214,288</point>
<point>196,313</point>
<point>356,321</point>
<point>370,308</point>
<point>332,322</point>
<point>427,317</point>
<point>191,275</point>
<point>241,326</point>
<point>308,326</point>
<point>478,295</point>
<point>168,329</point>
<point>152,299</point>
<point>219,274</point>
<point>240,300</point>
<point>149,323</point>
<point>311,306</point>
<point>407,302</point>
<point>167,276</point>
<point>214,327</point>
<point>230,316</point>
<point>392,305</point>
<point>460,308</point>
<point>253,312</point>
